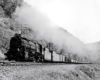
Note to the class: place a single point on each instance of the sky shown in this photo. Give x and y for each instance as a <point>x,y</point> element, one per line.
<point>79,17</point>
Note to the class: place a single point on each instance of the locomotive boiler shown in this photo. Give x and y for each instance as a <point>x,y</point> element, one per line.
<point>22,49</point>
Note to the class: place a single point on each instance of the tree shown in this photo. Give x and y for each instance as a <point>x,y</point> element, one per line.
<point>9,6</point>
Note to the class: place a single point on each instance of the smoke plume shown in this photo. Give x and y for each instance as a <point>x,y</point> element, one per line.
<point>46,30</point>
<point>2,56</point>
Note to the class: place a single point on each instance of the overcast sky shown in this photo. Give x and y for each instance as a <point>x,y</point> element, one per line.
<point>79,17</point>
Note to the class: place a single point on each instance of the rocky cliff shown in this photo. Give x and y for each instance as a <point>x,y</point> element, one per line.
<point>8,26</point>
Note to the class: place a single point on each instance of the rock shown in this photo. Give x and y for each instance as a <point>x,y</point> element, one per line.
<point>9,6</point>
<point>2,14</point>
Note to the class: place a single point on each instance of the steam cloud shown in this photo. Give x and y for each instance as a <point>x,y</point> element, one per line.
<point>47,30</point>
<point>2,56</point>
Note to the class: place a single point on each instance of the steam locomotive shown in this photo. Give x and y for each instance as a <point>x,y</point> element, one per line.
<point>22,49</point>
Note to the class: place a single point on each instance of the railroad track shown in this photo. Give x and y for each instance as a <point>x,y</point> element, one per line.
<point>14,63</point>
<point>18,63</point>
<point>34,64</point>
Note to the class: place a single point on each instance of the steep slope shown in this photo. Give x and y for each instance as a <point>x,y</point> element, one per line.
<point>8,26</point>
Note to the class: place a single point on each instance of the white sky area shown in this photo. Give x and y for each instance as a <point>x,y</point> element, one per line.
<point>79,17</point>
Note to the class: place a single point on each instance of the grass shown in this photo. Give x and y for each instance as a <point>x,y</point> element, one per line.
<point>49,72</point>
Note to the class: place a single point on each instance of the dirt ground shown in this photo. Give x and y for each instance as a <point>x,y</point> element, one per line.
<point>50,72</point>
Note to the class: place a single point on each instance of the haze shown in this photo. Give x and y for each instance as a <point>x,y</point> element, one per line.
<point>79,17</point>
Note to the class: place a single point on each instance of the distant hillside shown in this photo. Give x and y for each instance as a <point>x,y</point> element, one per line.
<point>94,50</point>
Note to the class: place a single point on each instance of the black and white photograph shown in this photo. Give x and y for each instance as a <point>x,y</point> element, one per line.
<point>49,39</point>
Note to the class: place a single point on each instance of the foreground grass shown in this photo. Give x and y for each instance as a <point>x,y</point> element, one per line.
<point>50,72</point>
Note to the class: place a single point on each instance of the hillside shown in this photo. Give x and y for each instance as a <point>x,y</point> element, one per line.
<point>50,72</point>
<point>94,50</point>
<point>18,16</point>
<point>8,26</point>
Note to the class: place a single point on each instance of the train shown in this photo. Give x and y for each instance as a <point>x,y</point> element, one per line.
<point>22,49</point>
